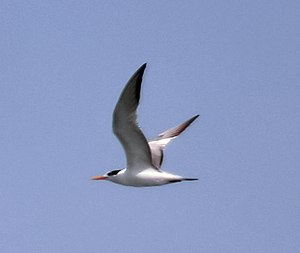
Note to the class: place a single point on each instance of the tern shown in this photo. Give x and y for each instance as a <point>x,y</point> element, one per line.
<point>144,158</point>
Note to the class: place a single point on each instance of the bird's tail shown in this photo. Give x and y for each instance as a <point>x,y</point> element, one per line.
<point>182,179</point>
<point>189,179</point>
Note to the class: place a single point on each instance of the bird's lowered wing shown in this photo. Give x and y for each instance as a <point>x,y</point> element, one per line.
<point>158,144</point>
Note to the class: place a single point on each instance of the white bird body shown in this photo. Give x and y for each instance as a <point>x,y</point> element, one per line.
<point>144,158</point>
<point>146,177</point>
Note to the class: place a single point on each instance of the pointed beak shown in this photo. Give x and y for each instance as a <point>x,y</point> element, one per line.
<point>99,178</point>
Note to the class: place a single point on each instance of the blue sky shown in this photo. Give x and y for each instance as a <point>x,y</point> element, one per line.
<point>63,65</point>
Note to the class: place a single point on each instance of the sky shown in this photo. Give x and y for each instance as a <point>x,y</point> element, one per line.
<point>63,65</point>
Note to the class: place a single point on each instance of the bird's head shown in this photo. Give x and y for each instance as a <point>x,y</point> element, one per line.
<point>110,175</point>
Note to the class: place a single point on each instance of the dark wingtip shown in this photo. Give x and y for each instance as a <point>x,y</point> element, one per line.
<point>189,121</point>
<point>139,72</point>
<point>139,75</point>
<point>175,131</point>
<point>141,69</point>
<point>195,117</point>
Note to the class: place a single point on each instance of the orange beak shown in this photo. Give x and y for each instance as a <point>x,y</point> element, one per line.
<point>99,178</point>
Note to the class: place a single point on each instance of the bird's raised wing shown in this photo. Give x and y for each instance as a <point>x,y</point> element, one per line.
<point>125,125</point>
<point>158,144</point>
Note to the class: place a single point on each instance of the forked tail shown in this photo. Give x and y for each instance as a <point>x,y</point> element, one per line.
<point>190,179</point>
<point>183,179</point>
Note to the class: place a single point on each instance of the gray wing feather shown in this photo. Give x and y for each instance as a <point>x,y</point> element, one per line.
<point>125,125</point>
<point>158,144</point>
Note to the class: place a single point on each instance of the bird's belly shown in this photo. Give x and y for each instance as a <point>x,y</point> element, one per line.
<point>147,178</point>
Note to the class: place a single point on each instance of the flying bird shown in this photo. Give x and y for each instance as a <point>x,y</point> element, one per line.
<point>144,158</point>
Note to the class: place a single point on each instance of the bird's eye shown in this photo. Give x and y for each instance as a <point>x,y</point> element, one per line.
<point>113,173</point>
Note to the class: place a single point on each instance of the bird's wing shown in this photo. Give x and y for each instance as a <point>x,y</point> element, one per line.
<point>125,125</point>
<point>158,144</point>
